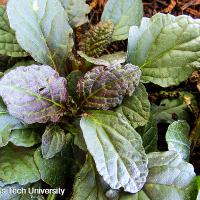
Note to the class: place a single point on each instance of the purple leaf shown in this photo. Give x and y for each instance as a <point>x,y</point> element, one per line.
<point>34,93</point>
<point>105,87</point>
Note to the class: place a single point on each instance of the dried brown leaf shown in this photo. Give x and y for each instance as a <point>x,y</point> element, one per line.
<point>171,6</point>
<point>97,3</point>
<point>190,3</point>
<point>3,2</point>
<point>193,12</point>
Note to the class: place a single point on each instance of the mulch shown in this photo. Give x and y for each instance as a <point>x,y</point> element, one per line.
<point>174,7</point>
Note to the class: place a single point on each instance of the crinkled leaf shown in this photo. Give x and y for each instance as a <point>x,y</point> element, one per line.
<point>123,14</point>
<point>34,93</point>
<point>96,40</point>
<point>17,166</point>
<point>53,141</point>
<point>8,42</point>
<point>52,171</point>
<point>26,137</point>
<point>169,178</point>
<point>77,11</point>
<point>42,30</point>
<point>165,58</point>
<point>105,87</point>
<point>118,152</point>
<point>149,134</point>
<point>106,60</point>
<point>7,124</point>
<point>177,138</point>
<point>136,108</point>
<point>87,184</point>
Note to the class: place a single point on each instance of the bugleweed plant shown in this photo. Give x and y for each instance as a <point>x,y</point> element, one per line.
<point>74,116</point>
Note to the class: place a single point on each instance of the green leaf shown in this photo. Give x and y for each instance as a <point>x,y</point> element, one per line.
<point>87,183</point>
<point>177,138</point>
<point>17,166</point>
<point>26,137</point>
<point>166,48</point>
<point>39,93</point>
<point>198,187</point>
<point>29,197</point>
<point>107,60</point>
<point>12,130</point>
<point>22,63</point>
<point>77,11</point>
<point>170,110</point>
<point>123,14</point>
<point>53,141</point>
<point>105,87</point>
<point>149,134</point>
<point>7,62</point>
<point>42,30</point>
<point>52,171</point>
<point>72,80</point>
<point>169,178</point>
<point>118,152</point>
<point>68,138</point>
<point>3,109</point>
<point>8,42</point>
<point>75,129</point>
<point>136,108</point>
<point>7,124</point>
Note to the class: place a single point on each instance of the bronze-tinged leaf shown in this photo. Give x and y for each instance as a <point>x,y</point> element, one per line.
<point>97,39</point>
<point>34,94</point>
<point>105,87</point>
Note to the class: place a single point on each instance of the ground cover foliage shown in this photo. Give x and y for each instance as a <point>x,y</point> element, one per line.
<point>102,124</point>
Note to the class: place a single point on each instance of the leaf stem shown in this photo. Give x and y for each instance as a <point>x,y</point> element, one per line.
<point>3,112</point>
<point>195,134</point>
<point>51,197</point>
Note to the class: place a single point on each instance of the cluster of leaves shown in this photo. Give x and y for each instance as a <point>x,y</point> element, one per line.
<point>94,123</point>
